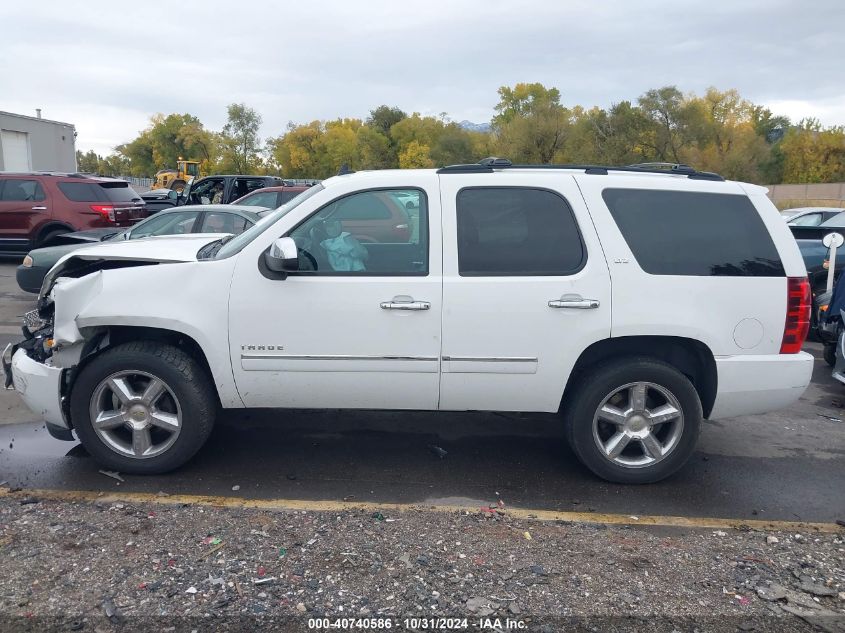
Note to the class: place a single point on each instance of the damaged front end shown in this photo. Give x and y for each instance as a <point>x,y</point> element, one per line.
<point>37,340</point>
<point>85,296</point>
<point>40,367</point>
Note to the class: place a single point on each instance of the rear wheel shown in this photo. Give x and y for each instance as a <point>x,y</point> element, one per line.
<point>49,236</point>
<point>635,421</point>
<point>143,407</point>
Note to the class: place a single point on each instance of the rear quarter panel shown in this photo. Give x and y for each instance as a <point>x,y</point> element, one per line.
<point>731,315</point>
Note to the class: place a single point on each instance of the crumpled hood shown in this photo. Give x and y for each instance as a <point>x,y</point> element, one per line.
<point>165,249</point>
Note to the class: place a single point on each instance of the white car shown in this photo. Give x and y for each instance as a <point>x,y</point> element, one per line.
<point>809,216</point>
<point>629,304</point>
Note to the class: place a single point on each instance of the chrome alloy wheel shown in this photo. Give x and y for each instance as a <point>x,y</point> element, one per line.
<point>135,414</point>
<point>638,425</point>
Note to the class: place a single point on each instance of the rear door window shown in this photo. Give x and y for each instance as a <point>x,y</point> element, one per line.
<point>175,223</point>
<point>811,219</point>
<point>221,222</point>
<point>243,186</point>
<point>516,231</point>
<point>694,233</point>
<point>19,190</point>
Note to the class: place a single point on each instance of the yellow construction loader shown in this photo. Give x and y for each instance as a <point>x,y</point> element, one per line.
<point>177,179</point>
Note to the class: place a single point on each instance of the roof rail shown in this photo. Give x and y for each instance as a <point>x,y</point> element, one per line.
<point>488,165</point>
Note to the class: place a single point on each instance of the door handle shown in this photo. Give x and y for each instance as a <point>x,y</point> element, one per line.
<point>576,303</point>
<point>404,302</point>
<point>39,208</point>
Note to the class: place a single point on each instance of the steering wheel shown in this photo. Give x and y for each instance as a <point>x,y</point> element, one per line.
<point>309,257</point>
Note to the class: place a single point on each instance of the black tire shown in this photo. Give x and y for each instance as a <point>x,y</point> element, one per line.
<point>184,377</point>
<point>178,185</point>
<point>829,354</point>
<point>49,236</point>
<point>594,385</point>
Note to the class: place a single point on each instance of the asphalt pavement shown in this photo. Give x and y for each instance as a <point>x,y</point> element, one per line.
<point>788,465</point>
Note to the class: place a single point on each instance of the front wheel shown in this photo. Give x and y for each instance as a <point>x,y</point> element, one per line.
<point>143,407</point>
<point>633,421</point>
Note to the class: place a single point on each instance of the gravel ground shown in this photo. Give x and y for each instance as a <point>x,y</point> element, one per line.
<point>121,567</point>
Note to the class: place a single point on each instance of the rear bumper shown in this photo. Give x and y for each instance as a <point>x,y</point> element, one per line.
<point>759,384</point>
<point>39,387</point>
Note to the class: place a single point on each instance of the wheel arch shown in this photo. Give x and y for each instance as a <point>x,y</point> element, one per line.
<point>48,227</point>
<point>691,357</point>
<point>107,337</point>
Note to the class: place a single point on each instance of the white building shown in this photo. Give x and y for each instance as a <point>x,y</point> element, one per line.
<point>34,144</point>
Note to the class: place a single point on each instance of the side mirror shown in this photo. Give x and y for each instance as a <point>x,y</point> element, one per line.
<point>282,256</point>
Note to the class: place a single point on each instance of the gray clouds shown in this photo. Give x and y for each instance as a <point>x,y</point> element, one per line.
<point>107,67</point>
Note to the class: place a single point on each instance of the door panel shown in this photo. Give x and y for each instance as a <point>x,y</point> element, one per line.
<point>23,208</point>
<point>339,338</point>
<point>507,255</point>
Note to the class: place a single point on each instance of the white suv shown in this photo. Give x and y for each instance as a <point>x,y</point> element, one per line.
<point>633,304</point>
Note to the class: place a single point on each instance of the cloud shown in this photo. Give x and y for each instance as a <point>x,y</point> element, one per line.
<point>106,67</point>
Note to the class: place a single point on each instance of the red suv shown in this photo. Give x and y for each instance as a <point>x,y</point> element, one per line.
<point>36,207</point>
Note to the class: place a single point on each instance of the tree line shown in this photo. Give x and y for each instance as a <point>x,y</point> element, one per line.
<point>718,131</point>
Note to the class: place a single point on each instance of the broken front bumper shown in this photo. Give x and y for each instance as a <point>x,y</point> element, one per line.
<point>38,384</point>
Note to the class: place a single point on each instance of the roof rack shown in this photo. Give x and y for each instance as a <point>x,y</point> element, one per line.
<point>488,165</point>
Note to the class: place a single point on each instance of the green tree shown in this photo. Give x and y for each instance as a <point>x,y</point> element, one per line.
<point>670,121</point>
<point>812,153</point>
<point>531,125</point>
<point>726,140</point>
<point>415,155</point>
<point>385,117</point>
<point>167,139</point>
<point>240,144</point>
<point>89,162</point>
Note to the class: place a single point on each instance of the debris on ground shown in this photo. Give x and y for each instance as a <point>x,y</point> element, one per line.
<point>103,563</point>
<point>113,474</point>
<point>441,453</point>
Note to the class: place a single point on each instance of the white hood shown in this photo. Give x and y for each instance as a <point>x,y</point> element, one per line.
<point>164,249</point>
<point>161,248</point>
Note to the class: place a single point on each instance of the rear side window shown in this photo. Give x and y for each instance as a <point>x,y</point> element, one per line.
<point>81,192</point>
<point>516,231</point>
<point>693,233</point>
<point>16,190</point>
<point>98,192</point>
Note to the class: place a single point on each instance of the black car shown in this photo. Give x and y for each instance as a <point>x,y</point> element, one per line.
<point>189,219</point>
<point>226,189</point>
<point>160,199</point>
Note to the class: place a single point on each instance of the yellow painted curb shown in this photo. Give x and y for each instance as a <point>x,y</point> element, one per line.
<point>340,506</point>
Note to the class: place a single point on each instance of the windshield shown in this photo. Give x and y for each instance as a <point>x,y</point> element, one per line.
<point>239,242</point>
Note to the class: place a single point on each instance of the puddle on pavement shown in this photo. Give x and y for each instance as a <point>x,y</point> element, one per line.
<point>24,440</point>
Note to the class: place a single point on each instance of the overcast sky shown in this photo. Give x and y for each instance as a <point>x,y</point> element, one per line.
<point>107,66</point>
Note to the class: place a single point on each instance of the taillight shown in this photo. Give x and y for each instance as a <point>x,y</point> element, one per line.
<point>106,211</point>
<point>798,304</point>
